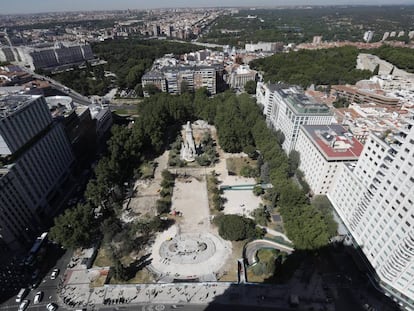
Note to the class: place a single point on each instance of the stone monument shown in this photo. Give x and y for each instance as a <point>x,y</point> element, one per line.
<point>188,148</point>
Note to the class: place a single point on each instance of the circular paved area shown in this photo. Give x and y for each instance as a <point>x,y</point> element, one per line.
<point>188,249</point>
<point>188,255</point>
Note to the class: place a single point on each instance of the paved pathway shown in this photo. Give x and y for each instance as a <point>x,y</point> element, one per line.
<point>252,248</point>
<point>275,233</point>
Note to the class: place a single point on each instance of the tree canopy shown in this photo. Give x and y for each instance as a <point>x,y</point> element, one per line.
<point>403,58</point>
<point>318,67</point>
<point>236,228</point>
<point>76,227</point>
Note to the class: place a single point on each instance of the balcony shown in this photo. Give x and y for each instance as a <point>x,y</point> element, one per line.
<point>396,147</point>
<point>400,138</point>
<point>405,129</point>
<point>380,175</point>
<point>388,159</point>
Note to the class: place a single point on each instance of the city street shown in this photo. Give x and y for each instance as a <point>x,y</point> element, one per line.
<point>47,286</point>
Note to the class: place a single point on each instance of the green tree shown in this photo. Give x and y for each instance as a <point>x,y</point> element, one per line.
<point>261,215</point>
<point>235,227</point>
<point>294,161</point>
<point>258,190</point>
<point>75,227</point>
<point>119,271</point>
<point>151,89</point>
<point>250,87</point>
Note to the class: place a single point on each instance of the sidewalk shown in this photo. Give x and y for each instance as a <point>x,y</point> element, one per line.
<point>275,233</point>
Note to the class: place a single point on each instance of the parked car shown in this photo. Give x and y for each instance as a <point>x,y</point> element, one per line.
<point>35,284</point>
<point>35,274</point>
<point>38,297</point>
<point>24,305</point>
<point>54,274</point>
<point>22,293</point>
<point>51,306</point>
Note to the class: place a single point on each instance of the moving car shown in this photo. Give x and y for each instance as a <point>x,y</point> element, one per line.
<point>38,297</point>
<point>54,274</point>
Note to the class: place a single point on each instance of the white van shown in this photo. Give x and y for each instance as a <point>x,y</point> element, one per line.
<point>22,293</point>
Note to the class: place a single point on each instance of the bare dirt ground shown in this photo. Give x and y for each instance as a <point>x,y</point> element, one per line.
<point>190,198</point>
<point>241,202</point>
<point>146,193</point>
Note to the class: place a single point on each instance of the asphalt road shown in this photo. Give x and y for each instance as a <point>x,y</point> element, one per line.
<point>47,286</point>
<point>189,307</point>
<point>78,98</point>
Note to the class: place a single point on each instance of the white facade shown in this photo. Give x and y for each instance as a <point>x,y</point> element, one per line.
<point>375,202</point>
<point>368,35</point>
<point>239,77</point>
<point>261,46</point>
<point>31,176</point>
<point>322,149</point>
<point>287,108</point>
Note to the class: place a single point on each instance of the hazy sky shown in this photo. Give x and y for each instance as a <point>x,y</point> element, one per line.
<point>34,6</point>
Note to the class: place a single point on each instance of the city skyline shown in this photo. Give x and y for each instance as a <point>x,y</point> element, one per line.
<point>26,6</point>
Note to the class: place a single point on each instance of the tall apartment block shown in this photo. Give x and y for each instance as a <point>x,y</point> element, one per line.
<point>322,149</point>
<point>374,200</point>
<point>287,108</point>
<point>36,158</point>
<point>173,79</point>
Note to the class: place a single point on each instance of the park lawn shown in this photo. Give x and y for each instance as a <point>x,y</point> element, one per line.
<point>128,112</point>
<point>264,268</point>
<point>141,277</point>
<point>251,277</point>
<point>210,187</point>
<point>99,282</point>
<point>102,259</point>
<point>147,170</point>
<point>234,165</point>
<point>265,255</point>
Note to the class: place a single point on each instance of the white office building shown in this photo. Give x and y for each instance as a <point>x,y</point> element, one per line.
<point>368,35</point>
<point>374,199</point>
<point>36,158</point>
<point>322,149</point>
<point>287,108</point>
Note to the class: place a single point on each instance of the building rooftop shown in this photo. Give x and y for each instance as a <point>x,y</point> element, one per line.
<point>334,142</point>
<point>300,103</point>
<point>153,74</point>
<point>10,104</point>
<point>303,104</point>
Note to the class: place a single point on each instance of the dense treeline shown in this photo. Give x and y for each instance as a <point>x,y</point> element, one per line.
<point>129,59</point>
<point>240,124</point>
<point>301,24</point>
<point>403,58</point>
<point>319,67</point>
<point>87,81</point>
